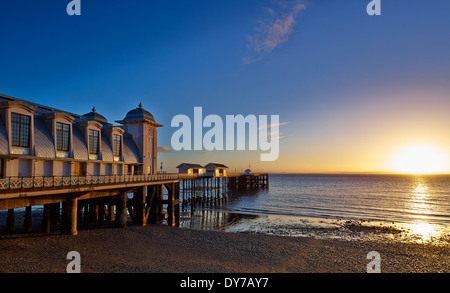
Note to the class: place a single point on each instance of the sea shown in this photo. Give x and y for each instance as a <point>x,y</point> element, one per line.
<point>411,208</point>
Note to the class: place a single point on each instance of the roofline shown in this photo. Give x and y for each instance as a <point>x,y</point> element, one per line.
<point>217,165</point>
<point>123,122</point>
<point>186,164</point>
<point>41,106</point>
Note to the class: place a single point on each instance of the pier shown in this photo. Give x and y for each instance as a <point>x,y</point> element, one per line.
<point>68,201</point>
<point>84,170</point>
<point>95,200</point>
<point>212,190</point>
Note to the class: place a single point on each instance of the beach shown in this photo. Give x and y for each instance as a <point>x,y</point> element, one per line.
<point>164,249</point>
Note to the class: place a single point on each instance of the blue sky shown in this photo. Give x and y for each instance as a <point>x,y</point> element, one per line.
<point>352,87</point>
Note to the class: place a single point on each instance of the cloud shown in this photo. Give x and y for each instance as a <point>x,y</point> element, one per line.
<point>272,125</point>
<point>272,134</point>
<point>274,30</point>
<point>163,149</point>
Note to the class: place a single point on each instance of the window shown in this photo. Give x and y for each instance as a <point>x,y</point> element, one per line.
<point>20,128</point>
<point>62,136</point>
<point>117,145</point>
<point>93,142</point>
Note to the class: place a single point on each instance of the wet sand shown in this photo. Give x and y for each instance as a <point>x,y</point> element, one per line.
<point>162,249</point>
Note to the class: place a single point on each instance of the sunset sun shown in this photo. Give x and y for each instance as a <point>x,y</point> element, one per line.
<point>419,159</point>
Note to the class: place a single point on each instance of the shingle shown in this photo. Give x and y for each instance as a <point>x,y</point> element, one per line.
<point>4,149</point>
<point>189,165</point>
<point>44,145</point>
<point>130,150</point>
<point>80,150</point>
<point>107,154</point>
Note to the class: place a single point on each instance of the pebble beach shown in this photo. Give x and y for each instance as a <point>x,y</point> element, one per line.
<point>163,249</point>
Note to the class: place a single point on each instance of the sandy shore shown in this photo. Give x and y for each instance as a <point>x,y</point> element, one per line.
<point>157,248</point>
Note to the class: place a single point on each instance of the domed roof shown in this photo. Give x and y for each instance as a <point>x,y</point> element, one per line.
<point>95,116</point>
<point>139,114</point>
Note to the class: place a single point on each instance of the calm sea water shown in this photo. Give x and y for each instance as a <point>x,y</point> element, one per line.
<point>298,204</point>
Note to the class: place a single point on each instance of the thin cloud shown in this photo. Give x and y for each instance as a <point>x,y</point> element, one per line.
<point>274,30</point>
<point>272,125</point>
<point>163,149</point>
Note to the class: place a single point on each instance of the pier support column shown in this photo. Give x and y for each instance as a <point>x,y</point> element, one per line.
<point>121,210</point>
<point>46,219</point>
<point>173,208</point>
<point>10,221</point>
<point>69,217</point>
<point>139,200</point>
<point>155,204</point>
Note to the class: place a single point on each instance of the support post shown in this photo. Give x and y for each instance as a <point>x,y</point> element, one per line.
<point>139,206</point>
<point>173,208</point>
<point>155,205</point>
<point>10,221</point>
<point>121,210</point>
<point>46,219</point>
<point>69,217</point>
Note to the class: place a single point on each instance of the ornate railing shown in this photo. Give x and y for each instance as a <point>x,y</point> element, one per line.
<point>67,181</point>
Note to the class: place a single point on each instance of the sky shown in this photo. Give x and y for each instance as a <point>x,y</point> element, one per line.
<point>354,93</point>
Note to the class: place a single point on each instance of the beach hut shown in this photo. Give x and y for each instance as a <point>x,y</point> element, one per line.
<point>215,169</point>
<point>188,168</point>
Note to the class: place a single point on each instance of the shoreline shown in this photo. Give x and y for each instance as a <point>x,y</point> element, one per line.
<point>277,225</point>
<point>323,228</point>
<point>163,249</point>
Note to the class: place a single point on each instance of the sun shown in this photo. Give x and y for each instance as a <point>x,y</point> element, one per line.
<point>420,159</point>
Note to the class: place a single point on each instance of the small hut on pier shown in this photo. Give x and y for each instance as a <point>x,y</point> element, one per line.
<point>188,168</point>
<point>215,169</point>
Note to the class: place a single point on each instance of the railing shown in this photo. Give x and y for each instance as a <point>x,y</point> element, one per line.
<point>67,181</point>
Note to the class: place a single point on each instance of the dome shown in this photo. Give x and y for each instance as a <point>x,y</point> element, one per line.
<point>139,114</point>
<point>95,116</point>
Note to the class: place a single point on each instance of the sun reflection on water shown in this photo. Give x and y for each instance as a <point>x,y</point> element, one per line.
<point>422,230</point>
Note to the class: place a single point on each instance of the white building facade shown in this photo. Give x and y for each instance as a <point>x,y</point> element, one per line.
<point>37,140</point>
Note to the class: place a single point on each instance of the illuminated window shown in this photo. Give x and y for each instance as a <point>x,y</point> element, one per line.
<point>20,129</point>
<point>93,141</point>
<point>62,136</point>
<point>117,144</point>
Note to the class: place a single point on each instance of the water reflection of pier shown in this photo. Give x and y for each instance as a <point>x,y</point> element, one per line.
<point>212,219</point>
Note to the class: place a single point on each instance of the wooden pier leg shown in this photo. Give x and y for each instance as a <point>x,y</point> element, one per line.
<point>70,213</point>
<point>173,208</point>
<point>10,221</point>
<point>111,213</point>
<point>155,205</point>
<point>139,206</point>
<point>46,219</point>
<point>27,223</point>
<point>121,210</point>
